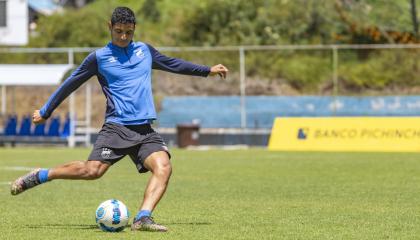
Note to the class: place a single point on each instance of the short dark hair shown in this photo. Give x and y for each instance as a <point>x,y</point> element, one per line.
<point>123,15</point>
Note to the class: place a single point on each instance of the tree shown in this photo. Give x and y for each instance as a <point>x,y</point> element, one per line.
<point>414,18</point>
<point>150,10</point>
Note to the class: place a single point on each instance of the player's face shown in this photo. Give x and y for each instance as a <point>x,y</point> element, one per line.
<point>122,34</point>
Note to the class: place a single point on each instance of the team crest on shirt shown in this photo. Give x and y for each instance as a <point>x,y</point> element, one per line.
<point>106,153</point>
<point>139,53</point>
<point>112,59</point>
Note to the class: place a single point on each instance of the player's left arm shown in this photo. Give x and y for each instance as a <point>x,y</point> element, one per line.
<point>180,66</point>
<point>220,70</point>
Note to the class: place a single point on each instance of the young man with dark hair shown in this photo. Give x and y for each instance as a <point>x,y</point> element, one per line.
<point>123,68</point>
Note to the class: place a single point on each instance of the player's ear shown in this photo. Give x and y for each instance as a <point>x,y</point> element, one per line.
<point>109,25</point>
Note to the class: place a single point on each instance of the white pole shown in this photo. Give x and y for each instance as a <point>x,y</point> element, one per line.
<point>88,110</point>
<point>70,56</point>
<point>335,76</point>
<point>71,139</point>
<point>72,142</point>
<point>242,85</point>
<point>3,100</point>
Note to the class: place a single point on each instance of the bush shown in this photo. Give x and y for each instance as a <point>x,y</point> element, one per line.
<point>383,69</point>
<point>303,71</point>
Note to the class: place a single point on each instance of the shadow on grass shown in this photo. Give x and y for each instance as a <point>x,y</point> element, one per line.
<point>91,226</point>
<point>188,223</point>
<point>63,226</point>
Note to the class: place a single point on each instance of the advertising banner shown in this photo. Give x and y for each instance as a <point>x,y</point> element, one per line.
<point>376,134</point>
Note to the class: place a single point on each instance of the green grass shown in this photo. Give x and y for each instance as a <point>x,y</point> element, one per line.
<point>244,194</point>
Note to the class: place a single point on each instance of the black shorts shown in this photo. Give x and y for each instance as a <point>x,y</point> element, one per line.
<point>115,141</point>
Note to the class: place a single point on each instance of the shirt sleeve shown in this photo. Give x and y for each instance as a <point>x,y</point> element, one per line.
<point>176,65</point>
<point>85,71</point>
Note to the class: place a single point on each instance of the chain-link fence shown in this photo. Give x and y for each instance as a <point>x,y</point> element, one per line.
<point>304,70</point>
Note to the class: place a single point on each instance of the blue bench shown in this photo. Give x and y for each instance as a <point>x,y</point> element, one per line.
<point>51,132</point>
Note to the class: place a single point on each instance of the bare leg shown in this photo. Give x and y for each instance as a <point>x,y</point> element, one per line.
<point>86,170</point>
<point>160,166</point>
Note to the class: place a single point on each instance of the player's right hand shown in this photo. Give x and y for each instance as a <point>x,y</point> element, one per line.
<point>37,118</point>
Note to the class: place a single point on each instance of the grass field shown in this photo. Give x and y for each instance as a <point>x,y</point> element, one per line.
<point>243,194</point>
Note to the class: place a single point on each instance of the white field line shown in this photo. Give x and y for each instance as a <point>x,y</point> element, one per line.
<point>17,168</point>
<point>5,183</point>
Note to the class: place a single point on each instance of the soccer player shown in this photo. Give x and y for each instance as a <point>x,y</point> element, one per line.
<point>124,70</point>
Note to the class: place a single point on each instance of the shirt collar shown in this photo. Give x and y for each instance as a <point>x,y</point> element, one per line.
<point>129,47</point>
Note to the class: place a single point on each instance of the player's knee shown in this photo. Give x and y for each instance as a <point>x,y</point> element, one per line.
<point>93,171</point>
<point>93,174</point>
<point>164,169</point>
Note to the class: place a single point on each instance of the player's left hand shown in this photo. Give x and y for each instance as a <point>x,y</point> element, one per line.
<point>220,70</point>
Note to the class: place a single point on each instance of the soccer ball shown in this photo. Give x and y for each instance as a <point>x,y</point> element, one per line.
<point>112,216</point>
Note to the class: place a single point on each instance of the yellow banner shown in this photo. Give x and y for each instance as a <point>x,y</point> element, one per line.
<point>379,134</point>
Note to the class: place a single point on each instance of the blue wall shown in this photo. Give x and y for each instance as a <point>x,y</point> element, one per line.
<point>215,112</point>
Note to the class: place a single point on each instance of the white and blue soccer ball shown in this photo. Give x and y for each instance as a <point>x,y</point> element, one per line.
<point>112,216</point>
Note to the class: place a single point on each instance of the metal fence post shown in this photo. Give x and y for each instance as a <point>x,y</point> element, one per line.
<point>242,85</point>
<point>3,100</point>
<point>335,76</point>
<point>71,138</point>
<point>88,112</point>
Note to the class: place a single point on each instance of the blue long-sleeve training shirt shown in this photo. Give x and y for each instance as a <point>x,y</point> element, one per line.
<point>125,76</point>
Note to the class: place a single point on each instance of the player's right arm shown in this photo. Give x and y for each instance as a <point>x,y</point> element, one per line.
<point>85,71</point>
<point>37,118</point>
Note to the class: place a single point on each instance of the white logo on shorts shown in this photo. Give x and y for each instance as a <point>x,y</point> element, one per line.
<point>106,153</point>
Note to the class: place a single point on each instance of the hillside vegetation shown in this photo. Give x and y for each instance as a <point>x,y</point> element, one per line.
<point>231,22</point>
<point>258,22</point>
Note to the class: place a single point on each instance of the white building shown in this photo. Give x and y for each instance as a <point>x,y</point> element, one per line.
<point>13,22</point>
<point>18,17</point>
